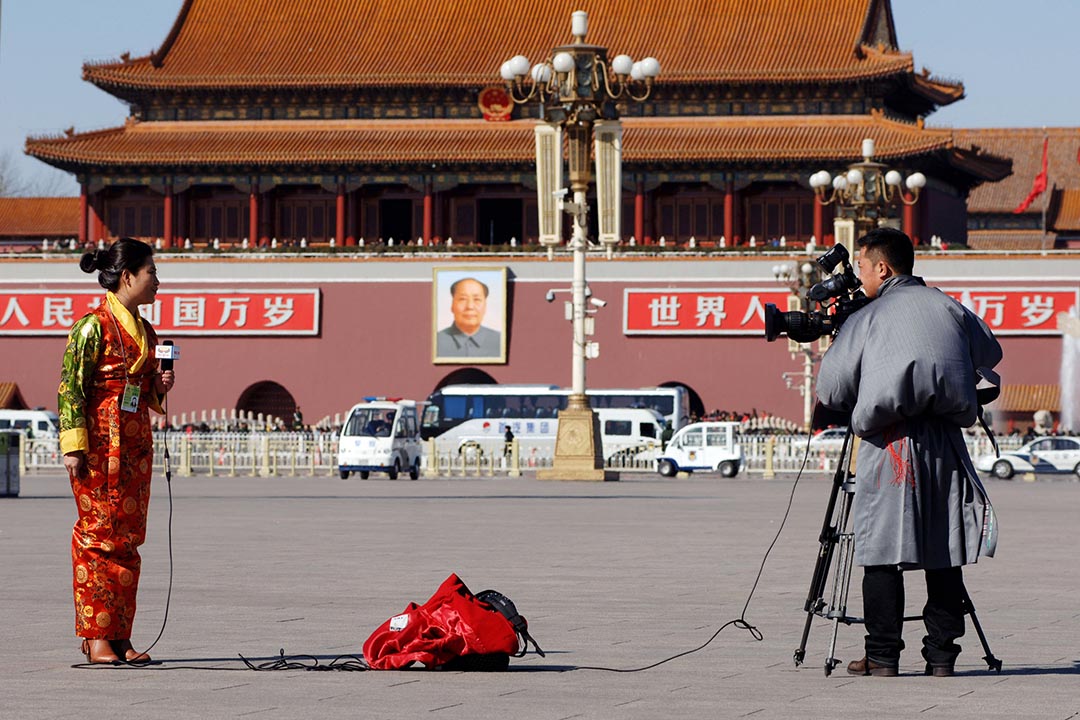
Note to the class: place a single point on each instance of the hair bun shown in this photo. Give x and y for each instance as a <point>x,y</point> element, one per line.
<point>88,263</point>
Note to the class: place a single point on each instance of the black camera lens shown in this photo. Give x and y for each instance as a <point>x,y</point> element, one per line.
<point>799,326</point>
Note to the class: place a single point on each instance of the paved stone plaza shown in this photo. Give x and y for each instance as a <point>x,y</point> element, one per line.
<point>618,574</point>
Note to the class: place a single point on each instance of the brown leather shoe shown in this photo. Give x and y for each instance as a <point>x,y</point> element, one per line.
<point>129,653</point>
<point>866,666</point>
<point>939,670</point>
<point>99,652</point>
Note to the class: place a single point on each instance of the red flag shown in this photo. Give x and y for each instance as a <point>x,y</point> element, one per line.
<point>1039,186</point>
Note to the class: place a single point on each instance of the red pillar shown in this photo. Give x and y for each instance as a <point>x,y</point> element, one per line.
<point>253,216</point>
<point>639,212</point>
<point>911,225</point>
<point>83,209</point>
<point>429,207</point>
<point>729,213</point>
<point>167,236</point>
<point>339,214</point>
<point>650,219</point>
<point>819,221</point>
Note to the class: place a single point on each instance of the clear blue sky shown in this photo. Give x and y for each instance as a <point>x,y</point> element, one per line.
<point>1017,60</point>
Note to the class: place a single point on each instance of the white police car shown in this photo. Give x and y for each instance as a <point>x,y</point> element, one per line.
<point>1045,455</point>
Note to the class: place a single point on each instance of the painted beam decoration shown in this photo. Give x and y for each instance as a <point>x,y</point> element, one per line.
<point>741,311</point>
<point>293,312</point>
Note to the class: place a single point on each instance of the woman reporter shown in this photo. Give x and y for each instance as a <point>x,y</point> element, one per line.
<point>109,382</point>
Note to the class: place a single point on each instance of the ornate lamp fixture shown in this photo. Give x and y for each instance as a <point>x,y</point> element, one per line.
<point>867,191</point>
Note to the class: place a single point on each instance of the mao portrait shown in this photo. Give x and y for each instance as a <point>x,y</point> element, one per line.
<point>469,315</point>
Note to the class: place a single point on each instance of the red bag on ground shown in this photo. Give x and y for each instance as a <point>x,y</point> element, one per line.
<point>453,629</point>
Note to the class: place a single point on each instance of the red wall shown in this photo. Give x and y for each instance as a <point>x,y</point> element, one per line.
<point>376,340</point>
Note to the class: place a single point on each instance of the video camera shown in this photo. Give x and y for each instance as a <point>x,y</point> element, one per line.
<point>842,287</point>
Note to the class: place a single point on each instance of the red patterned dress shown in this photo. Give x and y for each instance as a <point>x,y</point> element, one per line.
<point>107,349</point>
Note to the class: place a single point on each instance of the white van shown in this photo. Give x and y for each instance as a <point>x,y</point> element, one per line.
<point>632,431</point>
<point>36,424</point>
<point>704,446</point>
<point>380,436</point>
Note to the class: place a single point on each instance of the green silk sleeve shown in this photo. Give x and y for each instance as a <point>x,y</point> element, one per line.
<point>80,358</point>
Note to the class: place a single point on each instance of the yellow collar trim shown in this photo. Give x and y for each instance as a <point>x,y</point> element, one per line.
<point>133,325</point>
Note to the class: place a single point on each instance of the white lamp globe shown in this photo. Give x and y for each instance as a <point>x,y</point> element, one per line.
<point>893,178</point>
<point>541,73</point>
<point>839,182</point>
<point>563,62</point>
<point>854,176</point>
<point>506,71</point>
<point>519,64</point>
<point>916,181</point>
<point>622,64</point>
<point>650,67</point>
<point>636,72</point>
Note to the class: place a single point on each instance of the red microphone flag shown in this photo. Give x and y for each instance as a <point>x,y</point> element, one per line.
<point>1039,186</point>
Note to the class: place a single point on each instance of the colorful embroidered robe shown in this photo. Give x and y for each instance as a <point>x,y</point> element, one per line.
<point>107,349</point>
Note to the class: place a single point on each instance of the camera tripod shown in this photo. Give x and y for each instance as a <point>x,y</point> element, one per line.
<point>832,571</point>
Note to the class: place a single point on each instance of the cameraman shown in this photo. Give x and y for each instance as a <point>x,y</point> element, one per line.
<point>906,367</point>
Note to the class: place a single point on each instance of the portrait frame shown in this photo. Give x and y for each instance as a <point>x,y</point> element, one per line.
<point>449,344</point>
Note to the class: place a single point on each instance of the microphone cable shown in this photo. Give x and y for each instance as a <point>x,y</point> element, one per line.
<point>168,484</point>
<point>740,622</point>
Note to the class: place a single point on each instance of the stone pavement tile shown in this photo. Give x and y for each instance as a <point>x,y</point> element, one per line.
<point>618,574</point>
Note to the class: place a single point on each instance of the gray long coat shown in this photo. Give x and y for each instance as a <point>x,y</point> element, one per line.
<point>905,367</point>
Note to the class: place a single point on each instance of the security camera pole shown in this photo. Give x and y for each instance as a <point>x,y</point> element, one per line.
<point>577,92</point>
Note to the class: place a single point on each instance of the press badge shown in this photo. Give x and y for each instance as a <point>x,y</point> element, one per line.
<point>130,401</point>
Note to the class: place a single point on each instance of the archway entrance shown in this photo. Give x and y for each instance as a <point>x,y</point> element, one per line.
<point>697,405</point>
<point>270,399</point>
<point>465,376</point>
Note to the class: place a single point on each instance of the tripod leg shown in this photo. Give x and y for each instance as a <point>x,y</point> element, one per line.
<point>992,662</point>
<point>841,583</point>
<point>815,596</point>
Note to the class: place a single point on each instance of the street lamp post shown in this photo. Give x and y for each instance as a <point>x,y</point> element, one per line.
<point>577,89</point>
<point>799,278</point>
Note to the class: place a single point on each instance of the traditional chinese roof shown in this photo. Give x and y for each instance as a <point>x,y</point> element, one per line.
<point>10,397</point>
<point>749,141</point>
<point>1024,146</point>
<point>1029,398</point>
<point>233,44</point>
<point>51,217</point>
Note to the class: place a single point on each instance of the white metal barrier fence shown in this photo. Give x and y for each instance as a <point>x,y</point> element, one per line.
<point>265,454</point>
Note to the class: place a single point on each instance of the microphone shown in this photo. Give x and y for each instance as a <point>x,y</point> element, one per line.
<point>166,352</point>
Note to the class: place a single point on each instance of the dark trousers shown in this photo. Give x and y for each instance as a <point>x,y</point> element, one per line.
<point>883,610</point>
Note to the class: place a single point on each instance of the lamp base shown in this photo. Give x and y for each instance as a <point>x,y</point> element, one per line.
<point>578,450</point>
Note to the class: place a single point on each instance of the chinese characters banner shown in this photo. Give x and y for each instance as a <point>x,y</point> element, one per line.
<point>191,312</point>
<point>1018,311</point>
<point>1009,311</point>
<point>698,312</point>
